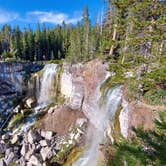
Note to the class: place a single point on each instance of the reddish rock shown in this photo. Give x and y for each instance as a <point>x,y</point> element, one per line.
<point>143,115</point>
<point>61,120</point>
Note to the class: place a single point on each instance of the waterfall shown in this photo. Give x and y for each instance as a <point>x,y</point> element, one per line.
<point>47,91</point>
<point>105,113</point>
<point>46,94</point>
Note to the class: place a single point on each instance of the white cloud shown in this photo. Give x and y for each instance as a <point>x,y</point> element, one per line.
<point>7,16</point>
<point>52,17</point>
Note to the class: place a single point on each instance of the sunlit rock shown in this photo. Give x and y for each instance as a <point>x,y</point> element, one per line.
<point>30,102</point>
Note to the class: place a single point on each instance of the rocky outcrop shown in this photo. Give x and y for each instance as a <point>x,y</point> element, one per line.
<point>13,80</point>
<point>137,114</point>
<point>61,120</point>
<point>79,83</point>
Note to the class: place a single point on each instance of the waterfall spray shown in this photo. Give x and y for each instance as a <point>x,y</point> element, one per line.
<point>105,113</point>
<point>47,91</point>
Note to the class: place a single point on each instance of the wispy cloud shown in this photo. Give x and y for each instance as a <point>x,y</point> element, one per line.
<point>7,16</point>
<point>52,17</point>
<point>39,16</point>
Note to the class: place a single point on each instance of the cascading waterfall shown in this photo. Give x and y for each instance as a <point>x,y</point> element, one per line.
<point>105,113</point>
<point>47,89</point>
<point>47,94</point>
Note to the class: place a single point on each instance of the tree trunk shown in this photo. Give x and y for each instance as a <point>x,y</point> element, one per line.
<point>113,39</point>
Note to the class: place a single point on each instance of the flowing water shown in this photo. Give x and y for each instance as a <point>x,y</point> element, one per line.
<point>47,91</point>
<point>47,94</point>
<point>105,113</point>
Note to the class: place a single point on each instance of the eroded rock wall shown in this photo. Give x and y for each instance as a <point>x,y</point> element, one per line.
<point>13,81</point>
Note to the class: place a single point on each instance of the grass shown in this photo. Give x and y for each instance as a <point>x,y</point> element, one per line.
<point>73,156</point>
<point>16,120</point>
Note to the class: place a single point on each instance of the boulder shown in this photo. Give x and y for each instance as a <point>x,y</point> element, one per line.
<point>33,136</point>
<point>2,148</point>
<point>34,161</point>
<point>30,102</point>
<point>31,150</point>
<point>21,162</point>
<point>5,137</point>
<point>24,149</point>
<point>10,158</point>
<point>15,139</point>
<point>51,110</point>
<point>47,134</point>
<point>43,143</point>
<point>46,153</point>
<point>2,162</point>
<point>17,109</point>
<point>8,151</point>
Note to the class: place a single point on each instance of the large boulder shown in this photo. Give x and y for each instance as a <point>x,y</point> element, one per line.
<point>24,149</point>
<point>61,120</point>
<point>34,160</point>
<point>46,153</point>
<point>33,136</point>
<point>30,102</point>
<point>2,162</point>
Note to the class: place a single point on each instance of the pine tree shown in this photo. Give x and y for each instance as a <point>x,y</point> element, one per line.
<point>86,32</point>
<point>31,45</point>
<point>17,42</point>
<point>26,48</point>
<point>38,44</point>
<point>147,148</point>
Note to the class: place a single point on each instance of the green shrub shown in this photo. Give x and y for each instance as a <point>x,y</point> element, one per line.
<point>154,96</point>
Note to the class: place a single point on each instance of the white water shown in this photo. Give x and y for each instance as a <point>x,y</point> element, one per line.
<point>105,113</point>
<point>47,91</point>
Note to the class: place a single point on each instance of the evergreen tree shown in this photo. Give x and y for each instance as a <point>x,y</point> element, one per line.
<point>147,148</point>
<point>86,32</point>
<point>31,45</point>
<point>17,42</point>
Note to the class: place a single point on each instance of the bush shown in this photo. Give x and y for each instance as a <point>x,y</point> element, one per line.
<point>154,96</point>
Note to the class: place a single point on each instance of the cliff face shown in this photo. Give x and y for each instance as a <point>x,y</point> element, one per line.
<point>90,110</point>
<point>13,81</point>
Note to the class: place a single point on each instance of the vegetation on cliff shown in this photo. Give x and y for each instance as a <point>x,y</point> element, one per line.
<point>146,148</point>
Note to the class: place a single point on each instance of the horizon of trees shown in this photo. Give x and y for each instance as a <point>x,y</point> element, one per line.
<point>75,43</point>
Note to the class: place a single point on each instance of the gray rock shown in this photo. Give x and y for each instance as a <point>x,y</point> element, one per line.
<point>5,137</point>
<point>30,102</point>
<point>21,162</point>
<point>10,158</point>
<point>44,164</point>
<point>51,110</point>
<point>46,153</point>
<point>24,149</point>
<point>33,136</point>
<point>14,139</point>
<point>34,161</point>
<point>2,162</point>
<point>47,134</point>
<point>17,109</point>
<point>8,151</point>
<point>38,148</point>
<point>30,152</point>
<point>43,143</point>
<point>2,148</point>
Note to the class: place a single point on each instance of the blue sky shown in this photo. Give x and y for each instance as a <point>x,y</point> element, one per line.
<point>51,12</point>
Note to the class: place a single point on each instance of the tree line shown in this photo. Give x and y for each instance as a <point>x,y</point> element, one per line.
<point>135,30</point>
<point>72,42</point>
<point>132,31</point>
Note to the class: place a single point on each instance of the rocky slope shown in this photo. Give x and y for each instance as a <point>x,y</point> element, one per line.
<point>69,106</point>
